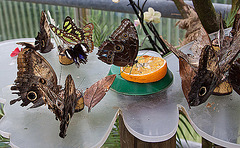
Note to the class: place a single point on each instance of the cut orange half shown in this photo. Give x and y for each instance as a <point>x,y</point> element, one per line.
<point>148,69</point>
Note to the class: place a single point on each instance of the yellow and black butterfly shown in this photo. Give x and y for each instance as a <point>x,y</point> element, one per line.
<point>84,34</point>
<point>71,34</point>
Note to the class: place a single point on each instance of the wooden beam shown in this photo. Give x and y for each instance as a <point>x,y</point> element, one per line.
<point>127,140</point>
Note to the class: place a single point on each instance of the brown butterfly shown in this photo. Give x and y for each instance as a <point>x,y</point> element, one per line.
<point>32,70</point>
<point>121,48</point>
<point>203,71</point>
<point>36,83</point>
<point>43,39</point>
<point>71,100</point>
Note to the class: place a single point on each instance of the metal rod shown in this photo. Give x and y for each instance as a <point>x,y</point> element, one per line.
<point>167,8</point>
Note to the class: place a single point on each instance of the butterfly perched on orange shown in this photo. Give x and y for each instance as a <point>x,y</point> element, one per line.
<point>121,48</point>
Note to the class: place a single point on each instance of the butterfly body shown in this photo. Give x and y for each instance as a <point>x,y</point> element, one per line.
<point>121,48</point>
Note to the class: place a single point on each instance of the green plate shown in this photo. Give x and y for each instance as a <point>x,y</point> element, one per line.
<point>123,86</point>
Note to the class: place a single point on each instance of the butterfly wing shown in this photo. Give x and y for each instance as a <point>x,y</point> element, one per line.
<point>67,38</point>
<point>77,54</point>
<point>85,34</point>
<point>236,23</point>
<point>43,39</point>
<point>213,70</point>
<point>70,27</point>
<point>88,31</point>
<point>234,77</point>
<point>27,44</point>
<point>64,104</point>
<point>206,78</point>
<point>97,91</point>
<point>32,70</point>
<point>53,100</point>
<point>122,48</point>
<point>198,77</point>
<point>70,100</point>
<point>187,74</point>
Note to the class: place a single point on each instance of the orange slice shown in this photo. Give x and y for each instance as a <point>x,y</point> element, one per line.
<point>148,69</point>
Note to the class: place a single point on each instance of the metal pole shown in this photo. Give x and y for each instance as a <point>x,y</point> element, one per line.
<point>167,8</point>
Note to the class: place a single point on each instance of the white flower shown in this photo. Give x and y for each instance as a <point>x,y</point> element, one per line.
<point>152,15</point>
<point>116,1</point>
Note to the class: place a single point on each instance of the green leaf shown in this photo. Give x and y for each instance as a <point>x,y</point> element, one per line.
<point>4,145</point>
<point>230,17</point>
<point>4,142</point>
<point>178,140</point>
<point>1,110</point>
<point>180,129</point>
<point>187,127</point>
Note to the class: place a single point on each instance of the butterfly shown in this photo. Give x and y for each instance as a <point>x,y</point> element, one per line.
<point>76,54</point>
<point>71,34</point>
<point>206,68</point>
<point>121,48</point>
<point>36,83</point>
<point>84,34</point>
<point>43,39</point>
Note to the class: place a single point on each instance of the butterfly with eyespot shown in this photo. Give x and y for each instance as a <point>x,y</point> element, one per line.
<point>43,39</point>
<point>121,48</point>
<point>203,71</point>
<point>36,83</point>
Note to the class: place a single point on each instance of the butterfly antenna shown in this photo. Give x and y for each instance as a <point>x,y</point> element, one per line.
<point>131,70</point>
<point>141,56</point>
<point>123,70</point>
<point>141,65</point>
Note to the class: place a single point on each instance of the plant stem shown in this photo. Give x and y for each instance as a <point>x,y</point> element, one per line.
<point>157,36</point>
<point>132,3</point>
<point>151,27</point>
